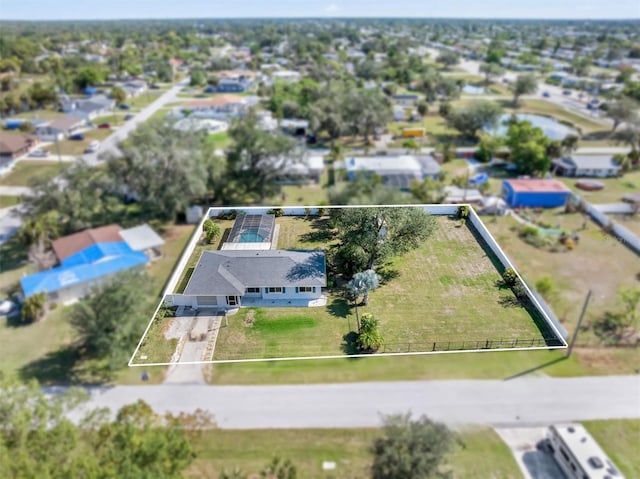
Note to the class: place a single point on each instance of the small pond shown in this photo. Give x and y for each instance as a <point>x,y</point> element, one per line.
<point>553,129</point>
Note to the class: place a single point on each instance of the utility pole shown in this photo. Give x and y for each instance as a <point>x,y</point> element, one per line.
<point>575,333</point>
<point>58,151</point>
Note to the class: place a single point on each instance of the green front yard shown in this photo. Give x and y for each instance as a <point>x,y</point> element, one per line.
<point>77,147</point>
<point>620,440</point>
<point>25,170</point>
<point>481,454</point>
<point>443,291</point>
<point>44,350</point>
<point>7,201</point>
<point>613,191</point>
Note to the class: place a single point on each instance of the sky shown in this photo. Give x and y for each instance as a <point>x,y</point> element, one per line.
<point>120,9</point>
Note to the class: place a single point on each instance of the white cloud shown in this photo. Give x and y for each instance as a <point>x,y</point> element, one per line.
<point>332,8</point>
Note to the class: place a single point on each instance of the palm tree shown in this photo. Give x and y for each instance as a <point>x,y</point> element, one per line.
<point>569,144</point>
<point>336,153</point>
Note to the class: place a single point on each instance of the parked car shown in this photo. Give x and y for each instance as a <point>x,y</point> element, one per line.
<point>128,117</point>
<point>77,137</point>
<point>39,154</point>
<point>210,89</point>
<point>566,92</point>
<point>104,125</point>
<point>546,94</point>
<point>6,306</point>
<point>153,86</point>
<point>92,147</point>
<point>124,106</point>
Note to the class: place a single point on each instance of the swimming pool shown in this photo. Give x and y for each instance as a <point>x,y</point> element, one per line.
<point>251,236</point>
<point>474,90</point>
<point>552,129</point>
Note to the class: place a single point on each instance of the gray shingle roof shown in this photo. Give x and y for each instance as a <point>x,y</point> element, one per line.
<point>220,273</point>
<point>591,162</point>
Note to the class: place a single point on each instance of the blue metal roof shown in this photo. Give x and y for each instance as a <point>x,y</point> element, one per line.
<point>93,262</point>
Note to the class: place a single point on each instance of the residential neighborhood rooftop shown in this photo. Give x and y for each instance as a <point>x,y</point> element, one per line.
<point>537,185</point>
<point>231,272</point>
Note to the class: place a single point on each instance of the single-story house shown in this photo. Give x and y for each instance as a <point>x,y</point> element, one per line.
<point>584,165</point>
<point>309,168</point>
<point>60,128</point>
<point>230,278</point>
<point>90,108</point>
<point>218,107</point>
<point>535,193</point>
<point>231,85</point>
<point>248,270</point>
<point>395,171</point>
<point>285,75</point>
<point>143,238</point>
<point>134,88</point>
<point>82,271</point>
<point>14,145</point>
<point>405,99</point>
<point>140,238</point>
<point>207,124</point>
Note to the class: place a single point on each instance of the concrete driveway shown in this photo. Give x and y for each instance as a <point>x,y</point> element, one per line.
<point>533,461</point>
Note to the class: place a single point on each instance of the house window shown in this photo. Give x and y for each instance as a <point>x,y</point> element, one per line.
<point>252,290</point>
<point>275,290</point>
<point>306,289</point>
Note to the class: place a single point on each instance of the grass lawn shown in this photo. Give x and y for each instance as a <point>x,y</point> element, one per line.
<point>619,439</point>
<point>43,350</point>
<point>77,147</point>
<point>613,191</point>
<point>25,170</point>
<point>482,455</point>
<point>7,201</point>
<point>143,100</point>
<point>460,302</point>
<point>307,195</point>
<point>598,262</point>
<point>45,114</point>
<point>436,130</point>
<point>220,140</point>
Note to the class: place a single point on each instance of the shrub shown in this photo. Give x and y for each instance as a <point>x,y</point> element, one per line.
<point>33,308</point>
<point>322,211</point>
<point>307,212</point>
<point>528,230</point>
<point>510,277</point>
<point>544,286</point>
<point>211,230</point>
<point>369,338</point>
<point>278,212</point>
<point>463,212</point>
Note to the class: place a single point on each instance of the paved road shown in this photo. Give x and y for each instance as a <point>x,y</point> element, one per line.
<point>109,144</point>
<point>14,190</point>
<point>10,223</point>
<point>521,401</point>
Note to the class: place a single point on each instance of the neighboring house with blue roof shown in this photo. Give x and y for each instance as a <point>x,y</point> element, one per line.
<point>79,273</point>
<point>89,257</point>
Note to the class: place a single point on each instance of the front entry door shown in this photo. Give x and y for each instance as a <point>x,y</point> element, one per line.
<point>232,300</point>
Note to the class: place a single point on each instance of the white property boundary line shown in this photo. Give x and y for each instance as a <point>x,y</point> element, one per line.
<point>436,210</point>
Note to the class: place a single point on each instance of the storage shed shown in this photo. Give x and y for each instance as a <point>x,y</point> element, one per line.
<point>535,193</point>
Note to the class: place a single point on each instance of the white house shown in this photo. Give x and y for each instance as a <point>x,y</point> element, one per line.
<point>586,165</point>
<point>60,128</point>
<point>88,108</point>
<point>247,271</point>
<point>395,171</point>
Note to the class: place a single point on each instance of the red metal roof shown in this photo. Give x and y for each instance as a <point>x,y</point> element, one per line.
<point>536,185</point>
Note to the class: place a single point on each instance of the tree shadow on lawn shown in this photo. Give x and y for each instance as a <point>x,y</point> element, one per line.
<point>386,273</point>
<point>12,254</point>
<point>350,345</point>
<point>320,233</point>
<point>64,366</point>
<point>339,308</point>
